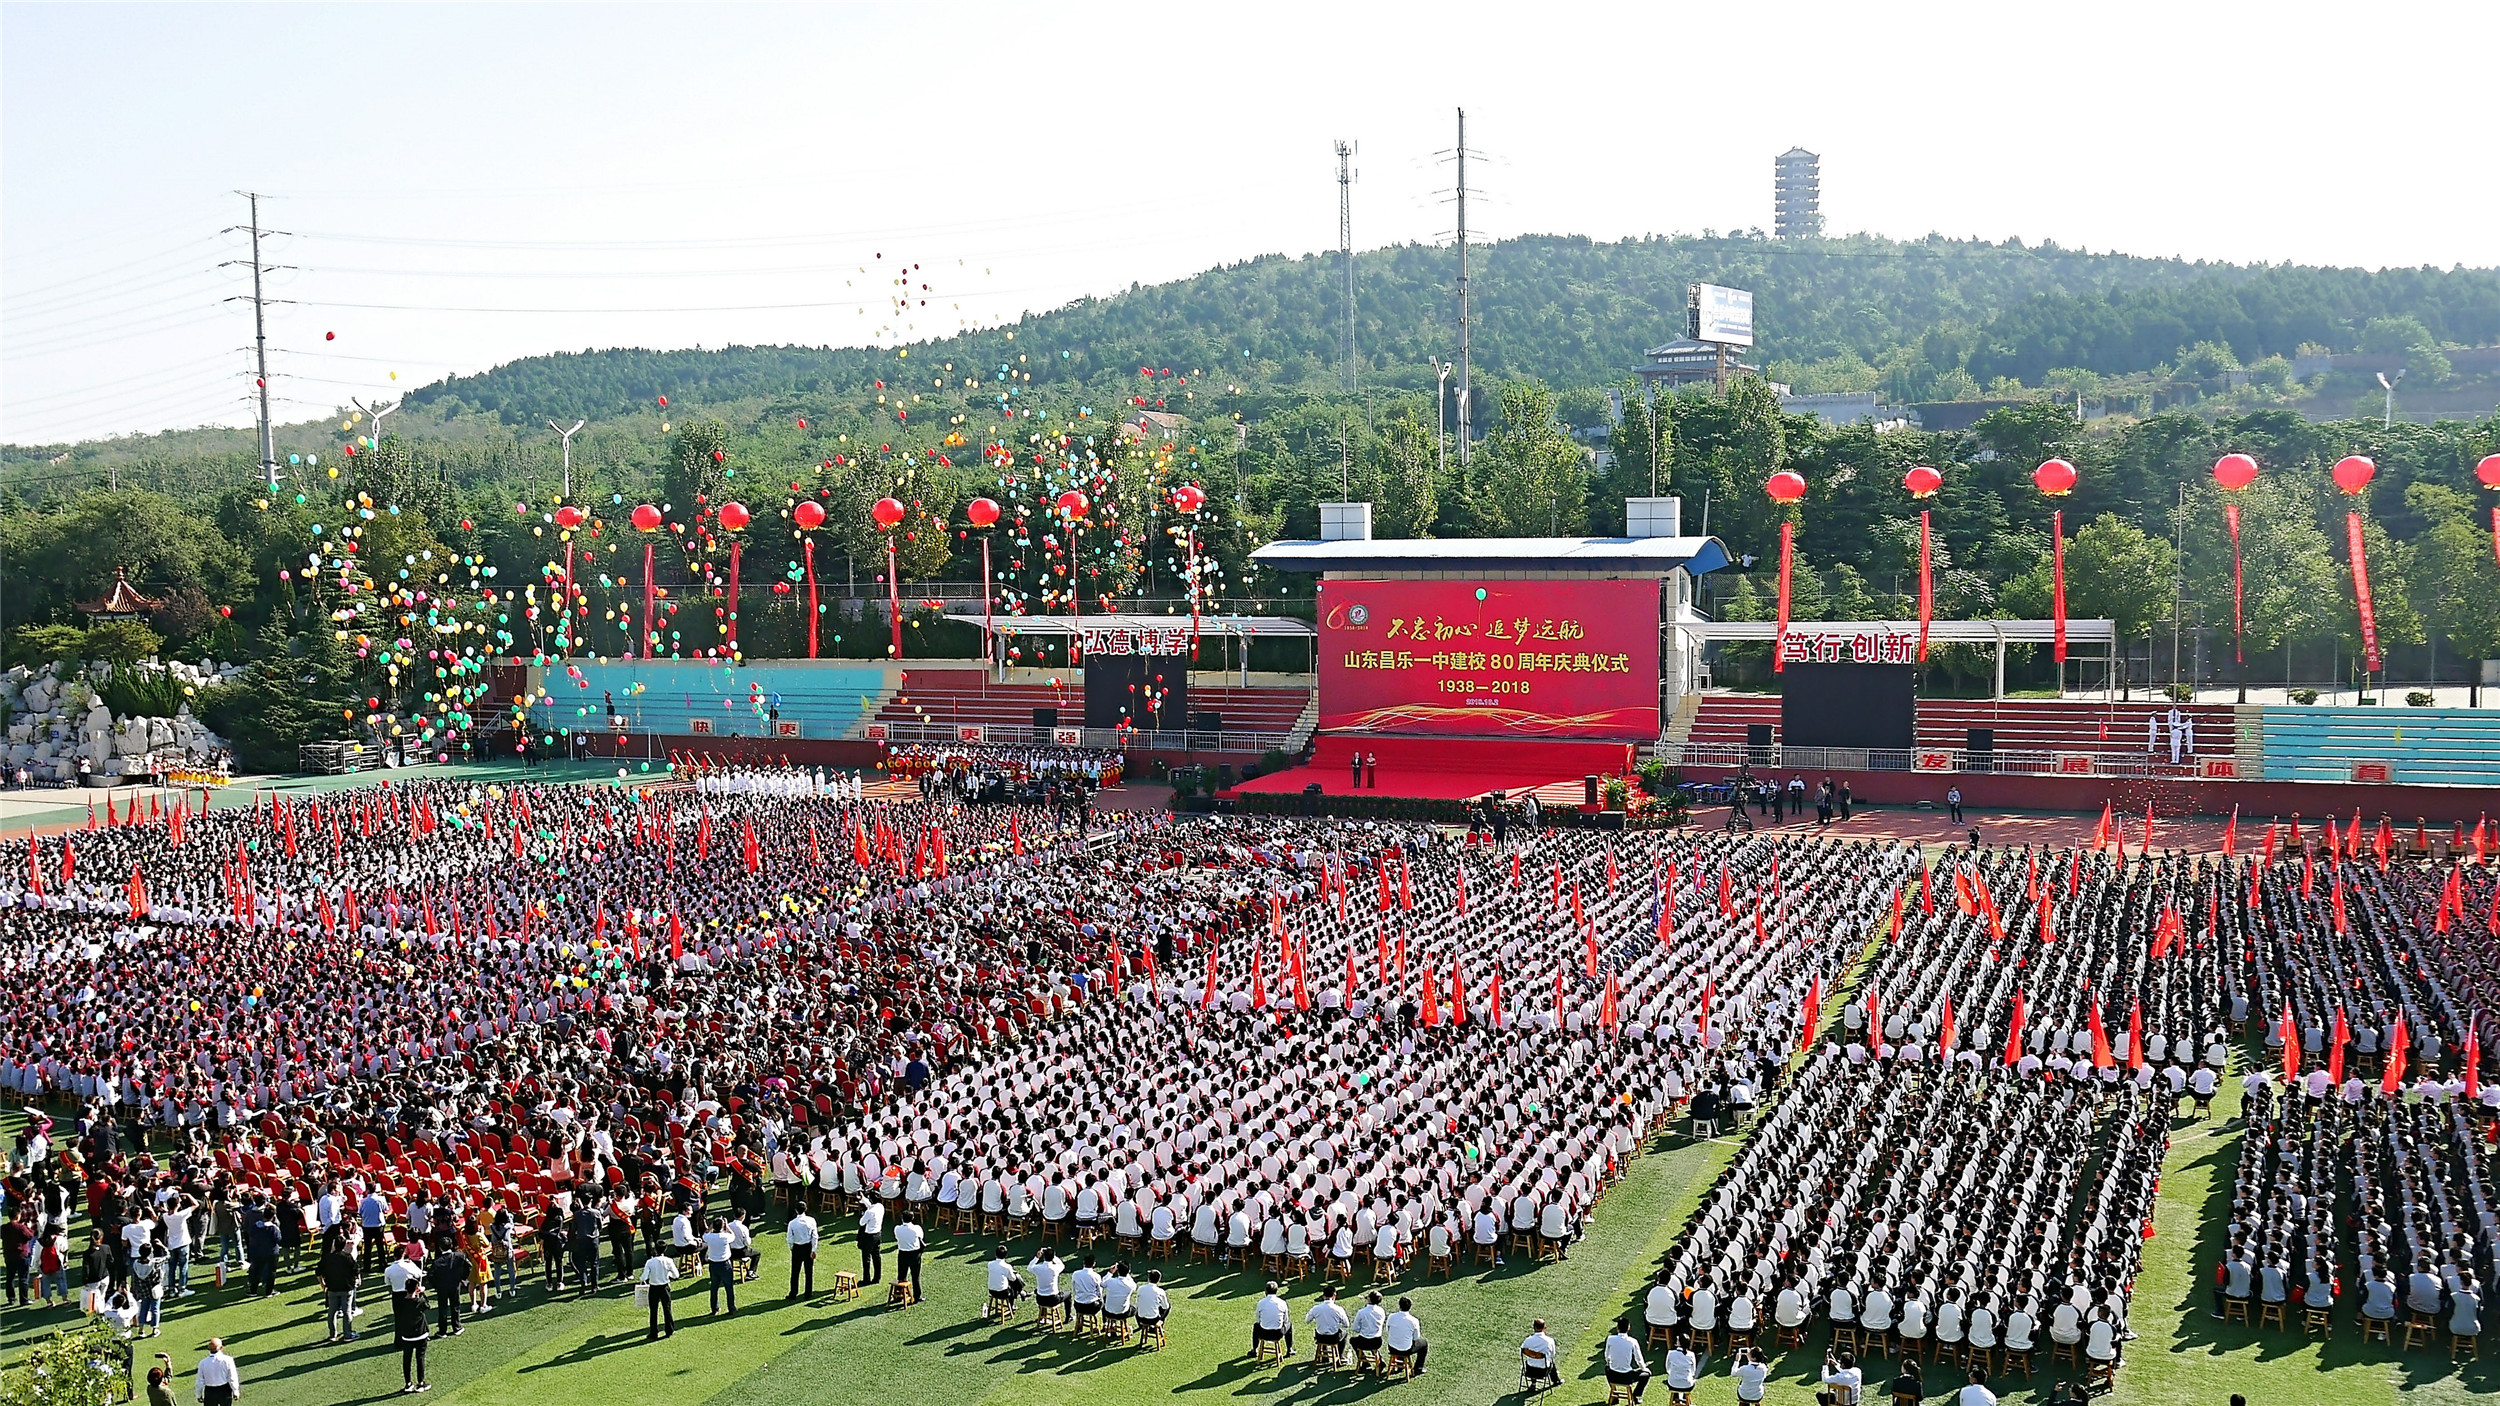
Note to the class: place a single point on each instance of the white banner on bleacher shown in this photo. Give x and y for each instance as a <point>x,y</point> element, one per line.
<point>1068,736</point>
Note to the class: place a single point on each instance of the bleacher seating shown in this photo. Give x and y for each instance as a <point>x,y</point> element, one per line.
<point>2020,725</point>
<point>2419,746</point>
<point>824,699</point>
<point>945,697</point>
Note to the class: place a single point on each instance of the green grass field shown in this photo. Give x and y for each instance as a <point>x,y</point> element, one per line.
<point>554,1352</point>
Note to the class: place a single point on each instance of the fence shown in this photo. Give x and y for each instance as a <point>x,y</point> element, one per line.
<point>2082,761</point>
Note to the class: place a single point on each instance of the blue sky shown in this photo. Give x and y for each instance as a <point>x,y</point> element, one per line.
<point>468,184</point>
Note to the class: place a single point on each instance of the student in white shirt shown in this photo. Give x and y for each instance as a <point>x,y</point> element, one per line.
<point>1085,1292</point>
<point>1404,1333</point>
<point>1119,1295</point>
<point>1152,1302</point>
<point>909,1241</point>
<point>1369,1321</point>
<point>1271,1322</point>
<point>1539,1359</point>
<point>872,1241</point>
<point>1625,1365</point>
<point>1843,1382</point>
<point>1006,1285</point>
<point>1683,1369</point>
<point>1750,1371</point>
<point>1328,1324</point>
<point>1045,1267</point>
<point>803,1237</point>
<point>1977,1393</point>
<point>717,1265</point>
<point>657,1271</point>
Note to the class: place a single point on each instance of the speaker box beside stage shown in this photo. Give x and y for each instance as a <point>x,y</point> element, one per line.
<point>1874,706</point>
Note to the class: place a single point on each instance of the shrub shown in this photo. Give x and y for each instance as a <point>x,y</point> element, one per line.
<point>2179,693</point>
<point>85,1365</point>
<point>2417,699</point>
<point>45,644</point>
<point>2304,695</point>
<point>123,642</point>
<point>143,693</point>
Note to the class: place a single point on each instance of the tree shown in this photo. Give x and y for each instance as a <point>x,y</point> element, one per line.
<point>1408,464</point>
<point>80,1365</point>
<point>1528,479</point>
<point>122,642</point>
<point>2115,572</point>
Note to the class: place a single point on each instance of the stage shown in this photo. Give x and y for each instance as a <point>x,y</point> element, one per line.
<point>1443,768</point>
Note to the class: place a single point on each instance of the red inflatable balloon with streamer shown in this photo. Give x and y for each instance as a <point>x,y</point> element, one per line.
<point>2235,472</point>
<point>1785,487</point>
<point>569,517</point>
<point>647,518</point>
<point>2353,474</point>
<point>2488,473</point>
<point>1189,497</point>
<point>1922,482</point>
<point>734,516</point>
<point>2054,477</point>
<point>981,512</point>
<point>809,514</point>
<point>887,512</point>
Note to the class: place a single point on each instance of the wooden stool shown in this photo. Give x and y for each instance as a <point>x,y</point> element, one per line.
<point>1844,1337</point>
<point>993,1222</point>
<point>1327,1354</point>
<point>1161,1249</point>
<point>1788,1337</point>
<point>1050,1315</point>
<point>2462,1345</point>
<point>1397,1364</point>
<point>999,1306</point>
<point>2099,1375</point>
<point>1340,1270</point>
<point>2314,1320</point>
<point>1087,1232</point>
<point>2068,1353</point>
<point>1269,1349</point>
<point>1201,1250</point>
<point>1484,1254</point>
<point>1979,1359</point>
<point>2234,1310</point>
<point>1366,1360</point>
<point>1549,1251</point>
<point>1134,1246</point>
<point>1117,1329</point>
<point>1660,1333</point>
<point>1384,1267</point>
<point>2016,1360</point>
<point>845,1286</point>
<point>1441,1264</point>
<point>1273,1266</point>
<point>1150,1335</point>
<point>2418,1327</point>
<point>901,1294</point>
<point>2270,1315</point>
<point>1618,1392</point>
<point>2376,1328</point>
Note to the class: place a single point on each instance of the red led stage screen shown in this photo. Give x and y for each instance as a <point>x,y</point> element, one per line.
<point>1521,659</point>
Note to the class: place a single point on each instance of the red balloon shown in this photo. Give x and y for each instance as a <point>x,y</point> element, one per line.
<point>2056,478</point>
<point>1922,481</point>
<point>2353,473</point>
<point>981,512</point>
<point>887,512</point>
<point>2488,471</point>
<point>2235,471</point>
<point>1786,486</point>
<point>1189,497</point>
<point>647,518</point>
<point>810,513</point>
<point>734,515</point>
<point>568,517</point>
<point>1072,504</point>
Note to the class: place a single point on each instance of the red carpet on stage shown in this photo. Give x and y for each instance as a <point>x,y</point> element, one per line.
<point>1444,768</point>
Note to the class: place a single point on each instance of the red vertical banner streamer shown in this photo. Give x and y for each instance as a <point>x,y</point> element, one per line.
<point>2361,593</point>
<point>735,548</point>
<point>650,626</point>
<point>894,595</point>
<point>2231,519</point>
<point>2495,535</point>
<point>809,553</point>
<point>1788,553</point>
<point>2057,583</point>
<point>1926,585</point>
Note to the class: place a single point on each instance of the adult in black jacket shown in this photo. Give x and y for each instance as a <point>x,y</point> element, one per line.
<point>339,1275</point>
<point>447,1277</point>
<point>409,1330</point>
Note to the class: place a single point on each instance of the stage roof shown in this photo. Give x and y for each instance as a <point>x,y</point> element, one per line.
<point>1628,556</point>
